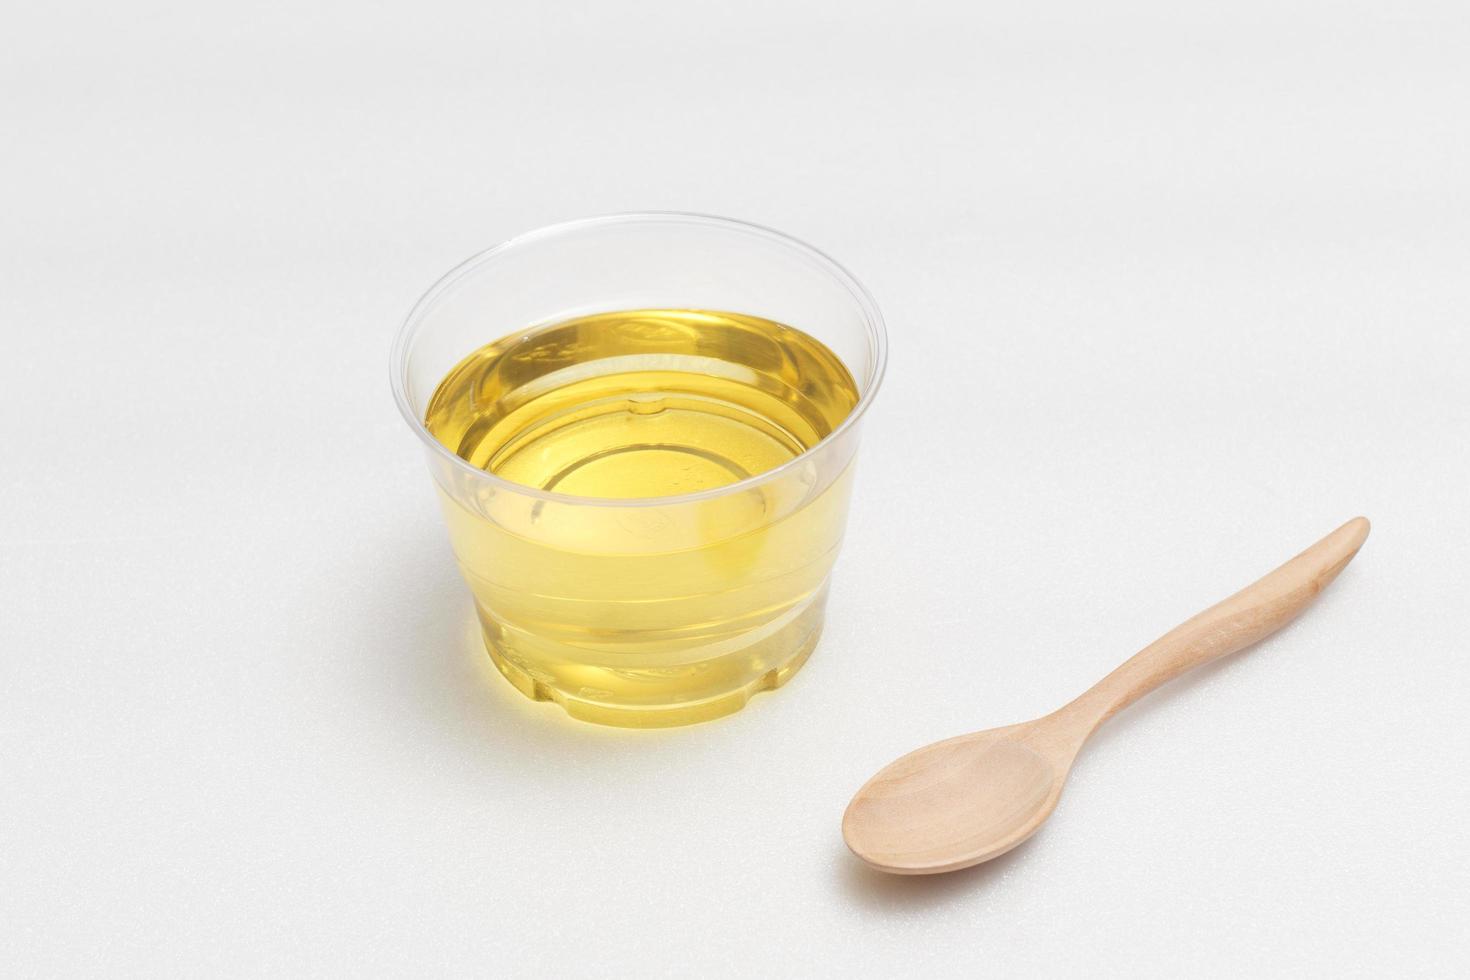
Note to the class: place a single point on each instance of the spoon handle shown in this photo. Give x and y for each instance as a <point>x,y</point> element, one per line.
<point>1252,614</point>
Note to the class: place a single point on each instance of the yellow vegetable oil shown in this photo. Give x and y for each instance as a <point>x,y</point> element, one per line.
<point>616,593</point>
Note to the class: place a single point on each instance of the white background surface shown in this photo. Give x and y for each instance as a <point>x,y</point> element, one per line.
<point>1173,289</point>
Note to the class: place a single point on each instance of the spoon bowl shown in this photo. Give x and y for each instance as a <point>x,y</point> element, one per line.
<point>954,803</point>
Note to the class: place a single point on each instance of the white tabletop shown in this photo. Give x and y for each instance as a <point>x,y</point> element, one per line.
<point>1171,294</point>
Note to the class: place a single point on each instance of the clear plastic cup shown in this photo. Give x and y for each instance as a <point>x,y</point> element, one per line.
<point>659,610</point>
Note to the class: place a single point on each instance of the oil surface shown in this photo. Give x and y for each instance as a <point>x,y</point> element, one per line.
<point>654,612</point>
<point>643,403</point>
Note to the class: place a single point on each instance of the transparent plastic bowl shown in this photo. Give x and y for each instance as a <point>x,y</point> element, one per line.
<point>561,582</point>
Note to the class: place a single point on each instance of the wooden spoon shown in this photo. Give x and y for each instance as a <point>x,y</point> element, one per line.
<point>965,800</point>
